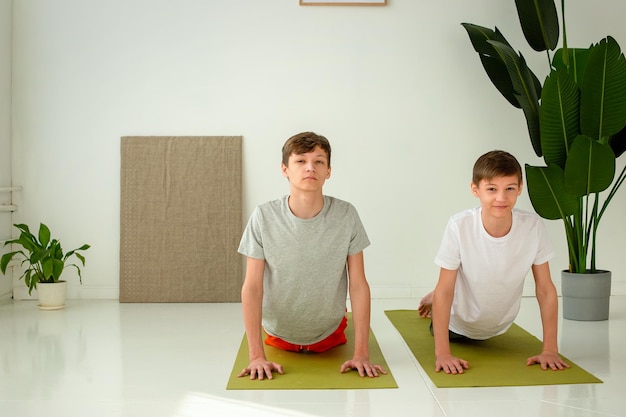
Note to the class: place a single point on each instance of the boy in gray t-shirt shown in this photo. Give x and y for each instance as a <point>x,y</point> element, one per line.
<point>300,251</point>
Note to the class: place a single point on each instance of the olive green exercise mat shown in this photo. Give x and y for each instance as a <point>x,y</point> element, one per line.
<point>499,361</point>
<point>313,370</point>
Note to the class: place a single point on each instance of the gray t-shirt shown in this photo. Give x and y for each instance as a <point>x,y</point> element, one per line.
<point>305,281</point>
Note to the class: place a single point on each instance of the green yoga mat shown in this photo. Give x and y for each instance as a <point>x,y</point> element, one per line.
<point>313,370</point>
<point>499,361</point>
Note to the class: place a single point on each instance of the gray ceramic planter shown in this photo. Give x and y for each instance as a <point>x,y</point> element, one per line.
<point>586,296</point>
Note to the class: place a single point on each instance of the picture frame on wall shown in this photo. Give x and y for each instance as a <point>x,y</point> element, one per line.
<point>343,2</point>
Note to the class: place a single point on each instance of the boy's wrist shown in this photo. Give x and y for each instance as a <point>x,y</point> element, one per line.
<point>257,358</point>
<point>257,354</point>
<point>361,353</point>
<point>442,346</point>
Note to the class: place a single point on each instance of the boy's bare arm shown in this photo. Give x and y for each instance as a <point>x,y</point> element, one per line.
<point>442,304</point>
<point>360,302</point>
<point>252,302</point>
<point>548,307</point>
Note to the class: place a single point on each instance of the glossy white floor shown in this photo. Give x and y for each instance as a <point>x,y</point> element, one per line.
<point>102,358</point>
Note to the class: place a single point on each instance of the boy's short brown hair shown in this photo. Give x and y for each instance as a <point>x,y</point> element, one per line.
<point>496,164</point>
<point>305,142</point>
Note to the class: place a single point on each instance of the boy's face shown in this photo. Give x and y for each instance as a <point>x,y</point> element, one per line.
<point>498,195</point>
<point>308,171</point>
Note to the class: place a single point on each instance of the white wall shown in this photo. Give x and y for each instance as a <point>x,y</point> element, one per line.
<point>398,91</point>
<point>5,135</point>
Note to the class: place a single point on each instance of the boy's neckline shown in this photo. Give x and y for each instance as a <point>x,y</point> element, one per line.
<point>497,228</point>
<point>305,207</point>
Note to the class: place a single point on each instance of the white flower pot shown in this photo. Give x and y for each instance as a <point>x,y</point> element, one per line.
<point>52,295</point>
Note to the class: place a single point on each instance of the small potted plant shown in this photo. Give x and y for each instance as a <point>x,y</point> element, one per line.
<point>577,123</point>
<point>45,261</point>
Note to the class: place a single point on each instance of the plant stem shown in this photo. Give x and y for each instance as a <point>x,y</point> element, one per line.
<point>620,179</point>
<point>571,243</point>
<point>593,230</point>
<point>565,52</point>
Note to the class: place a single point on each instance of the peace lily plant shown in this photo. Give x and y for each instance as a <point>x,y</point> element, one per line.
<point>576,120</point>
<point>43,257</point>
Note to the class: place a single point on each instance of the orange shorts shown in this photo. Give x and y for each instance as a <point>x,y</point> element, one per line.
<point>335,339</point>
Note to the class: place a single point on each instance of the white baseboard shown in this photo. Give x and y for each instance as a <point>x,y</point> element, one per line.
<point>377,292</point>
<point>21,293</point>
<point>73,293</point>
<point>398,291</point>
<point>93,293</point>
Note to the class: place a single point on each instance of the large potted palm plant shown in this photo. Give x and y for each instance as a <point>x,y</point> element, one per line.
<point>576,122</point>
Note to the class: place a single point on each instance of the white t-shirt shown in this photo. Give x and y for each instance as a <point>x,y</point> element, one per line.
<point>491,271</point>
<point>305,280</point>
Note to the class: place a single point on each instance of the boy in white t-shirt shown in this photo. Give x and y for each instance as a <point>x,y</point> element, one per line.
<point>485,255</point>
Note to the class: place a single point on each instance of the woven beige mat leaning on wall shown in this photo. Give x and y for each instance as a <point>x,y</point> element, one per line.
<point>180,219</point>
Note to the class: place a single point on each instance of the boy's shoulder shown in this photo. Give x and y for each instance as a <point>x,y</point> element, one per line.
<point>334,206</point>
<point>528,218</point>
<point>336,201</point>
<point>525,214</point>
<point>466,215</point>
<point>272,206</point>
<point>275,203</point>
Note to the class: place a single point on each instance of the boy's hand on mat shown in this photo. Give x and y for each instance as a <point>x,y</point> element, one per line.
<point>450,364</point>
<point>548,360</point>
<point>261,368</point>
<point>363,366</point>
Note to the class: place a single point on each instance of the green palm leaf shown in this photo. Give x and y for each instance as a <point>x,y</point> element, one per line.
<point>603,91</point>
<point>577,62</point>
<point>590,167</point>
<point>493,63</point>
<point>540,23</point>
<point>546,189</point>
<point>558,116</point>
<point>527,90</point>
